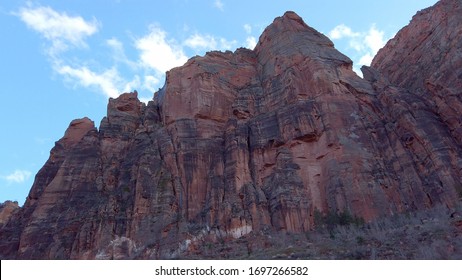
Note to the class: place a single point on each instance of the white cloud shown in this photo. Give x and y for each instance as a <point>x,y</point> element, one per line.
<point>198,42</point>
<point>118,53</point>
<point>60,29</point>
<point>227,45</point>
<point>116,45</point>
<point>158,53</point>
<point>247,28</point>
<point>250,42</point>
<point>150,83</point>
<point>219,5</point>
<point>374,39</point>
<point>106,82</point>
<point>145,100</point>
<point>341,31</point>
<point>365,44</point>
<point>133,84</point>
<point>357,45</point>
<point>18,176</point>
<point>64,31</point>
<point>366,59</point>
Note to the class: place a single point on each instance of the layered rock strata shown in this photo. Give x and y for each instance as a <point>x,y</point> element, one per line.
<point>255,141</point>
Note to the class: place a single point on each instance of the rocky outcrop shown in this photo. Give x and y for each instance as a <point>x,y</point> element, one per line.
<point>7,209</point>
<point>430,46</point>
<point>253,141</point>
<point>420,81</point>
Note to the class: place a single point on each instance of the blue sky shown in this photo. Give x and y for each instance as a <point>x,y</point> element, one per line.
<point>62,60</point>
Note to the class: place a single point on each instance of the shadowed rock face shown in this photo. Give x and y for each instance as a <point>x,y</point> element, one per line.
<point>252,141</point>
<point>431,46</point>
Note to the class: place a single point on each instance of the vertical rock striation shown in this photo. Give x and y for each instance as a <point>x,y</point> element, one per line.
<point>255,141</point>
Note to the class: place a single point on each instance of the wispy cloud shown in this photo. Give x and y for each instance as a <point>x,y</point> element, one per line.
<point>366,44</point>
<point>17,176</point>
<point>201,42</point>
<point>341,31</point>
<point>248,28</point>
<point>155,52</point>
<point>63,32</point>
<point>145,100</point>
<point>150,83</point>
<point>83,76</point>
<point>118,53</point>
<point>374,39</point>
<point>219,5</point>
<point>250,41</point>
<point>60,29</point>
<point>227,44</point>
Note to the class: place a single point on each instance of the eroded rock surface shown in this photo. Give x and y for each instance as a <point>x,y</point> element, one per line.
<point>255,141</point>
<point>6,211</point>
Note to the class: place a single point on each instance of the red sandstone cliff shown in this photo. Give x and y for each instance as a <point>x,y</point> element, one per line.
<point>255,140</point>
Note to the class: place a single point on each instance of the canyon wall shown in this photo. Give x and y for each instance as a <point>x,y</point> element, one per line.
<point>255,141</point>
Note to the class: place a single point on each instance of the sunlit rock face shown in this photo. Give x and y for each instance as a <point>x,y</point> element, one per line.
<point>255,141</point>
